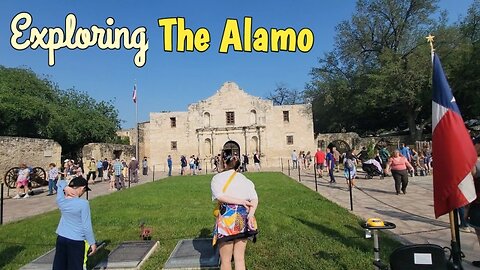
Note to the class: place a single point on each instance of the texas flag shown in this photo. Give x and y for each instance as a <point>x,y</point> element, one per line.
<point>453,153</point>
<point>134,96</point>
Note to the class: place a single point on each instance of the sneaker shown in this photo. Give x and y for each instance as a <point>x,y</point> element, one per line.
<point>17,196</point>
<point>26,196</point>
<point>476,263</point>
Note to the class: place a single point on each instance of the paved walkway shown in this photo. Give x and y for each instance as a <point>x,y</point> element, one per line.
<point>412,213</point>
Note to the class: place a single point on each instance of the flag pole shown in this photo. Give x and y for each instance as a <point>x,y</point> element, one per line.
<point>456,252</point>
<point>138,128</point>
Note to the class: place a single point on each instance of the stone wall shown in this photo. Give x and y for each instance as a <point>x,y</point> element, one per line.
<point>106,150</point>
<point>353,141</point>
<point>33,152</point>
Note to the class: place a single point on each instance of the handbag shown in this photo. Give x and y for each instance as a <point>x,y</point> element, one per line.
<point>216,210</point>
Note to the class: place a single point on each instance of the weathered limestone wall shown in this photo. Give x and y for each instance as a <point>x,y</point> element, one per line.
<point>106,150</point>
<point>33,152</point>
<point>355,142</point>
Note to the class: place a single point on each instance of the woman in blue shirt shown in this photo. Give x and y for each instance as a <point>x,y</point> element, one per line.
<point>75,226</point>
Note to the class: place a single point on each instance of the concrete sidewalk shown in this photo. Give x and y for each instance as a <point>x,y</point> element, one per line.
<point>412,213</point>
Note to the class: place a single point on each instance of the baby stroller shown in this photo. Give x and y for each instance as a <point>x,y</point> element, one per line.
<point>372,168</point>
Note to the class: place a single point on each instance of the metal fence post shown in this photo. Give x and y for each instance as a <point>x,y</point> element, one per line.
<point>153,173</point>
<point>350,183</point>
<point>1,204</point>
<point>130,176</point>
<point>299,178</point>
<point>288,166</point>
<point>281,161</point>
<point>315,173</point>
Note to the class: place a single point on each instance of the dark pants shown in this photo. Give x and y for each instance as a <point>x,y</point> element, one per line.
<point>92,173</point>
<point>69,254</point>
<point>145,171</point>
<point>401,178</point>
<point>169,170</point>
<point>100,172</point>
<point>332,177</point>
<point>119,182</point>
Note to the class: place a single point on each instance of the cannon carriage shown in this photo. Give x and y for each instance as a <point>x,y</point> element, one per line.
<point>37,177</point>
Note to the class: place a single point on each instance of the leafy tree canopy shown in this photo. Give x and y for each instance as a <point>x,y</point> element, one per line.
<point>35,107</point>
<point>378,76</point>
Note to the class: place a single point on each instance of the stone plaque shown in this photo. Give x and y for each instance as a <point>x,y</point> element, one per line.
<point>47,153</point>
<point>128,255</point>
<point>193,254</point>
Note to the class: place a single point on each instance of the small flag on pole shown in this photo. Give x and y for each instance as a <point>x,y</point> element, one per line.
<point>134,96</point>
<point>453,153</point>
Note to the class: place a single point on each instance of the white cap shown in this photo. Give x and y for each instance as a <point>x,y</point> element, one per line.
<point>133,158</point>
<point>66,160</point>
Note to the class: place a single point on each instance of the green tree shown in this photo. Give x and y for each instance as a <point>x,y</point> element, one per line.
<point>464,63</point>
<point>378,74</point>
<point>34,107</point>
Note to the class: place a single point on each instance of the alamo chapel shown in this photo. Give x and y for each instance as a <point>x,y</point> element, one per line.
<point>229,122</point>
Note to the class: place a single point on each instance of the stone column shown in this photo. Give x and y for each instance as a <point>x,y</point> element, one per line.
<point>245,137</point>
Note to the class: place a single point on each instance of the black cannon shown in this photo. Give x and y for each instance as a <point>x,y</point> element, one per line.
<point>37,177</point>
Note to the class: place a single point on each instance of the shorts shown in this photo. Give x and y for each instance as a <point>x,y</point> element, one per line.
<point>320,166</point>
<point>192,166</point>
<point>22,182</point>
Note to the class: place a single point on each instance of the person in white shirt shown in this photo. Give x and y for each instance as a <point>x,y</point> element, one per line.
<point>238,201</point>
<point>22,181</point>
<point>294,159</point>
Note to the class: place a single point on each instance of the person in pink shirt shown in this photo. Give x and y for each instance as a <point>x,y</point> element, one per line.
<point>398,166</point>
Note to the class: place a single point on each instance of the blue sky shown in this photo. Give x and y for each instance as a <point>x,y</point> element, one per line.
<point>171,80</point>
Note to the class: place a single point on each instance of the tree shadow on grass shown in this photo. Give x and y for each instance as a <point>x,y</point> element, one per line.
<point>408,216</point>
<point>7,255</point>
<point>330,256</point>
<point>355,242</point>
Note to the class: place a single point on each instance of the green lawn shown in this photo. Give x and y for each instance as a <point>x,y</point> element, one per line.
<point>299,229</point>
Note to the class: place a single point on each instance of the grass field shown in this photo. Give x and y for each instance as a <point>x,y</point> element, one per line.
<point>299,229</point>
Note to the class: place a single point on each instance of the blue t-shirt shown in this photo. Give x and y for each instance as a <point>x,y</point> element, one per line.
<point>75,222</point>
<point>330,159</point>
<point>405,152</point>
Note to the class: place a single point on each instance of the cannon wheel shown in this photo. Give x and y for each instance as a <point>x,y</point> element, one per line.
<point>38,177</point>
<point>10,178</point>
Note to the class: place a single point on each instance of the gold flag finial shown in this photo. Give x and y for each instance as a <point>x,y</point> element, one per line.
<point>430,40</point>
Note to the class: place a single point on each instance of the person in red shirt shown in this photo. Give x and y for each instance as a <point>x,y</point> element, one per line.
<point>319,161</point>
<point>398,165</point>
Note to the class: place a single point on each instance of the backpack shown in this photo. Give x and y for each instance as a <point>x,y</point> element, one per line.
<point>349,164</point>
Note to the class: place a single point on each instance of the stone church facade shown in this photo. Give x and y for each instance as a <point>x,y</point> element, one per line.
<point>229,122</point>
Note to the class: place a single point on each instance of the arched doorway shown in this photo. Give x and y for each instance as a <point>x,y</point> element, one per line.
<point>341,146</point>
<point>231,148</point>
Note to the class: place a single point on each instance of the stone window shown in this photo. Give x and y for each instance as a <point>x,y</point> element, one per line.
<point>206,119</point>
<point>286,116</point>
<point>253,117</point>
<point>173,122</point>
<point>230,118</point>
<point>289,139</point>
<point>173,145</point>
